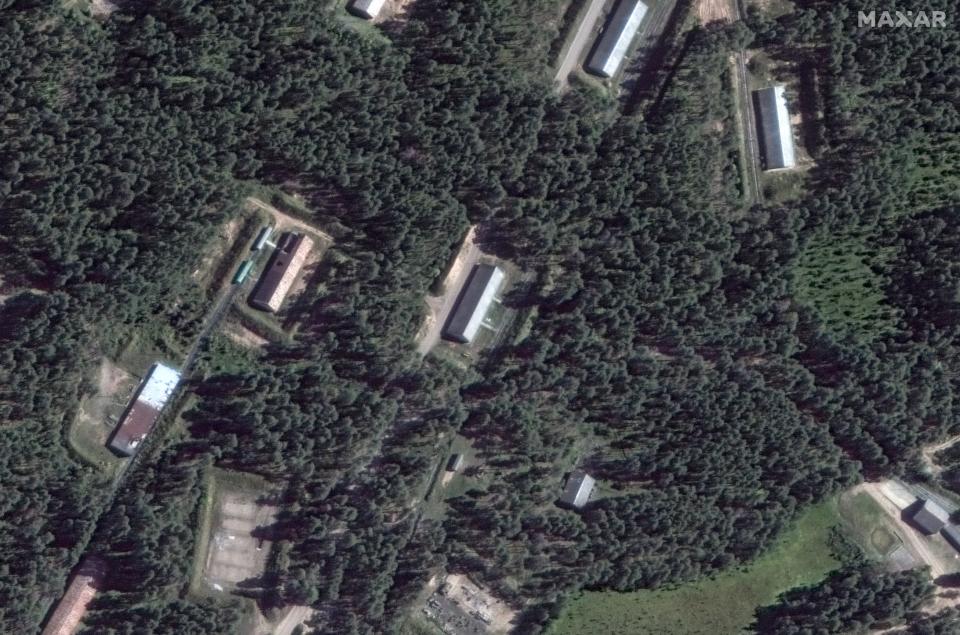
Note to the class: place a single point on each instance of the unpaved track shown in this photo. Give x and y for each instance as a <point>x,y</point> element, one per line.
<point>913,540</point>
<point>929,451</point>
<point>580,42</point>
<point>286,220</point>
<point>440,307</point>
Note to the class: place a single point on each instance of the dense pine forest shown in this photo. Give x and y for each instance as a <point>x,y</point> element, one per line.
<point>680,345</point>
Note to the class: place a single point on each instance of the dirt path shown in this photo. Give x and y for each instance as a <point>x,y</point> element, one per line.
<point>285,220</point>
<point>581,39</point>
<point>440,306</point>
<point>714,11</point>
<point>890,501</point>
<point>244,336</point>
<point>928,452</point>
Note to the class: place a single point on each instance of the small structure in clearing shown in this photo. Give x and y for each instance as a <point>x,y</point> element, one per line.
<point>455,462</point>
<point>578,490</point>
<point>776,135</point>
<point>929,517</point>
<point>475,300</point>
<point>145,410</point>
<point>615,41</point>
<point>368,9</point>
<point>84,585</point>
<point>278,276</point>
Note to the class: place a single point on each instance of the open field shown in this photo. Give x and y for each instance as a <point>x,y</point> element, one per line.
<point>100,412</point>
<point>233,545</point>
<point>722,605</point>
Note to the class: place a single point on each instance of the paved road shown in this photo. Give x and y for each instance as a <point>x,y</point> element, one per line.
<point>581,39</point>
<point>749,120</point>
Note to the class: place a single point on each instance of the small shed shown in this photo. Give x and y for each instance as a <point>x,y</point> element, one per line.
<point>368,9</point>
<point>929,517</point>
<point>578,490</point>
<point>455,463</point>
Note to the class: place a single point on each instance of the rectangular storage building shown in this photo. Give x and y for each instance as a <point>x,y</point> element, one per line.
<point>367,8</point>
<point>775,133</point>
<point>145,409</point>
<point>616,38</point>
<point>578,490</point>
<point>474,302</point>
<point>84,585</point>
<point>952,535</point>
<point>282,269</point>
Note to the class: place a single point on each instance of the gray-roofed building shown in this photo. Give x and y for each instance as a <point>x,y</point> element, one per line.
<point>455,462</point>
<point>474,302</point>
<point>952,535</point>
<point>929,517</point>
<point>578,490</point>
<point>616,38</point>
<point>367,8</point>
<point>776,136</point>
<point>277,278</point>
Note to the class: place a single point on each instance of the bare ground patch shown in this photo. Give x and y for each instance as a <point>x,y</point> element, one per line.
<point>285,222</point>
<point>714,11</point>
<point>243,336</point>
<point>238,547</point>
<point>439,307</point>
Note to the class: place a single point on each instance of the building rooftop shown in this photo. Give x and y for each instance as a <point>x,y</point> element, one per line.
<point>474,302</point>
<point>775,132</point>
<point>285,263</point>
<point>952,535</point>
<point>616,38</point>
<point>83,586</point>
<point>367,8</point>
<point>578,489</point>
<point>929,517</point>
<point>152,396</point>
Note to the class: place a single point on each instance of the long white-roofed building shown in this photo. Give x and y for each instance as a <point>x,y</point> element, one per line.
<point>367,8</point>
<point>578,490</point>
<point>775,132</point>
<point>616,38</point>
<point>474,303</point>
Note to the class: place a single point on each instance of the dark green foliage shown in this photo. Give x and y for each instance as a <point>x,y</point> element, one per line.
<point>850,600</point>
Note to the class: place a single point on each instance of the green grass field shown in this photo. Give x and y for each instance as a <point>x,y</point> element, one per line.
<point>722,605</point>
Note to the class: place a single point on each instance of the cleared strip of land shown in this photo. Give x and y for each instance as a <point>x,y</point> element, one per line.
<point>581,40</point>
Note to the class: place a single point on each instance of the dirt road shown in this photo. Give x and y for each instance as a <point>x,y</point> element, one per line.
<point>440,307</point>
<point>286,220</point>
<point>578,45</point>
<point>929,451</point>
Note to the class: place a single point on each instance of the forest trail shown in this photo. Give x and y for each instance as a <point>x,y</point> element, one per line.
<point>929,451</point>
<point>284,220</point>
<point>581,39</point>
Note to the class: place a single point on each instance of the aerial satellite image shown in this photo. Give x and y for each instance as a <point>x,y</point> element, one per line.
<point>479,317</point>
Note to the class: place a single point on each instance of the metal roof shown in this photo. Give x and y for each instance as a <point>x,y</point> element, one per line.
<point>952,534</point>
<point>775,132</point>
<point>276,279</point>
<point>368,8</point>
<point>616,38</point>
<point>159,386</point>
<point>578,489</point>
<point>930,517</point>
<point>474,302</point>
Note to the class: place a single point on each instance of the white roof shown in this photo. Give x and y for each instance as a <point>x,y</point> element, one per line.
<point>775,127</point>
<point>159,386</point>
<point>616,39</point>
<point>578,489</point>
<point>369,8</point>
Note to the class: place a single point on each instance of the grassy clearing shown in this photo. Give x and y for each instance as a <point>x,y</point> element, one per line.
<point>836,276</point>
<point>722,605</point>
<point>866,522</point>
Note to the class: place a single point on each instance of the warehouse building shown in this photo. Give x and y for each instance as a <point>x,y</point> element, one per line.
<point>455,463</point>
<point>84,585</point>
<point>474,303</point>
<point>368,9</point>
<point>952,535</point>
<point>145,409</point>
<point>776,136</point>
<point>616,38</point>
<point>578,490</point>
<point>928,517</point>
<point>282,269</point>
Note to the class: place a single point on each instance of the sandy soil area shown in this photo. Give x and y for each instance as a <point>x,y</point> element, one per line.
<point>439,307</point>
<point>714,11</point>
<point>244,336</point>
